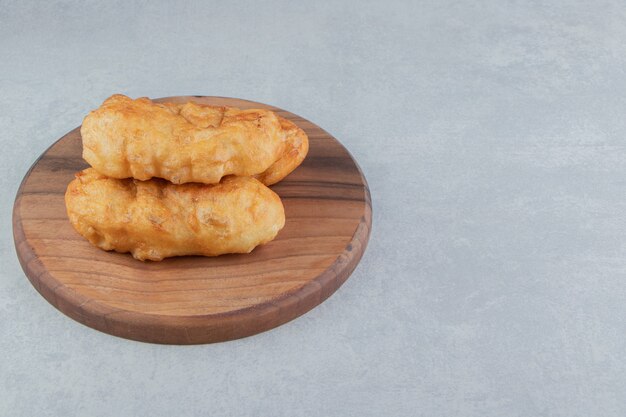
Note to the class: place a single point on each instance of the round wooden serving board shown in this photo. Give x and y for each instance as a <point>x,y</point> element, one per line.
<point>188,300</point>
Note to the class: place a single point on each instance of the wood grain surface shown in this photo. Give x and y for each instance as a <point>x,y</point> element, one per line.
<point>190,300</point>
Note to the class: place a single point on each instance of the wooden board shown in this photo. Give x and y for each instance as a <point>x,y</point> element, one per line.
<point>189,300</point>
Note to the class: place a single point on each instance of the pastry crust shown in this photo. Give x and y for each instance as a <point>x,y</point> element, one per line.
<point>155,219</point>
<point>296,149</point>
<point>189,142</point>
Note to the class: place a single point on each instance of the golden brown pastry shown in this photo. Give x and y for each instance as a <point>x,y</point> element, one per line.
<point>156,219</point>
<point>189,142</point>
<point>296,148</point>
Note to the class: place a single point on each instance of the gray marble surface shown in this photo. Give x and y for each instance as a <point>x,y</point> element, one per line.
<point>493,138</point>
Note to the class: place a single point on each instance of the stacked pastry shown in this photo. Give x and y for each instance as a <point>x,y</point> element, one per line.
<point>171,179</point>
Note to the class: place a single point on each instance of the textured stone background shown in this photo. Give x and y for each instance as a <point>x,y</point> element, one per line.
<point>493,139</point>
